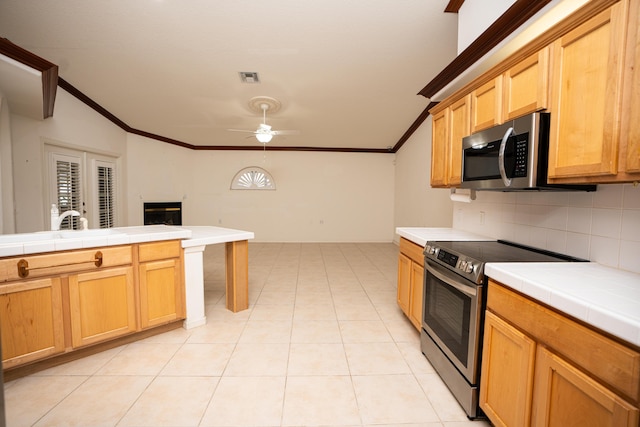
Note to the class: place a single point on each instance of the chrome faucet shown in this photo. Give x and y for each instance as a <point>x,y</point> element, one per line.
<point>56,220</point>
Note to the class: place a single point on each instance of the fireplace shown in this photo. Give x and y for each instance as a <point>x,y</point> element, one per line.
<point>168,213</point>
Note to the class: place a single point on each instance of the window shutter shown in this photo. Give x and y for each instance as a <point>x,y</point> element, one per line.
<point>106,194</point>
<point>68,190</point>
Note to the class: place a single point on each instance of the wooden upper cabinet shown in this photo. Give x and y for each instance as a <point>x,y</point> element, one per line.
<point>631,99</point>
<point>526,86</point>
<point>459,127</point>
<point>450,125</point>
<point>486,105</point>
<point>586,97</point>
<point>439,148</point>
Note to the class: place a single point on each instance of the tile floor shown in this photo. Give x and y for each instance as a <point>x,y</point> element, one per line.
<point>323,343</point>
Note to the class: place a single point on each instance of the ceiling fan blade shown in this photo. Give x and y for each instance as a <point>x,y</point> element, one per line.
<point>241,130</point>
<point>286,132</point>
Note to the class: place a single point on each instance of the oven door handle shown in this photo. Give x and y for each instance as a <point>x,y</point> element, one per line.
<point>438,271</point>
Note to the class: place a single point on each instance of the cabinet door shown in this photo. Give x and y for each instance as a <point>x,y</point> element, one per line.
<point>566,397</point>
<point>586,97</point>
<point>526,86</point>
<point>161,292</point>
<point>404,282</point>
<point>486,105</point>
<point>506,381</point>
<point>439,148</point>
<point>102,305</point>
<point>459,127</point>
<point>631,105</point>
<point>415,295</point>
<point>31,321</point>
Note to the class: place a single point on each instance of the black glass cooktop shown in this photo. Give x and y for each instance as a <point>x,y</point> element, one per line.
<point>502,251</point>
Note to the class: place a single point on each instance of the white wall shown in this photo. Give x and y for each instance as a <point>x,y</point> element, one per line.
<point>73,124</point>
<point>476,16</point>
<point>603,226</point>
<point>320,197</point>
<point>7,218</point>
<point>416,203</point>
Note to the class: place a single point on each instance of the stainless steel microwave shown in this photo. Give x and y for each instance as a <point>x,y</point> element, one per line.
<point>511,157</point>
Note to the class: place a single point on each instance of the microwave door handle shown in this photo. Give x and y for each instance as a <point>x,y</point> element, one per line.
<point>503,144</point>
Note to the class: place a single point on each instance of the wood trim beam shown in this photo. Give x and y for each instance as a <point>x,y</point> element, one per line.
<point>510,21</point>
<point>453,6</point>
<point>122,125</point>
<point>92,104</point>
<point>49,72</point>
<point>414,126</point>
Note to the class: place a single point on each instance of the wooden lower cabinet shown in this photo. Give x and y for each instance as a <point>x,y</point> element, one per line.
<point>564,396</point>
<point>507,371</point>
<point>404,282</point>
<point>540,368</point>
<point>74,299</point>
<point>161,292</point>
<point>410,281</point>
<point>31,321</point>
<point>102,305</point>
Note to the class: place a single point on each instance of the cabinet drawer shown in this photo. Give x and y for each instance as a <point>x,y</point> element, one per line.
<point>609,361</point>
<point>159,250</point>
<point>412,250</point>
<point>59,263</point>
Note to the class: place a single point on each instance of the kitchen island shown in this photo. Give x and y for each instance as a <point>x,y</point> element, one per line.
<point>66,292</point>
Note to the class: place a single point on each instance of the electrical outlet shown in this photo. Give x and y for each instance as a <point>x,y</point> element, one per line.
<point>481,218</point>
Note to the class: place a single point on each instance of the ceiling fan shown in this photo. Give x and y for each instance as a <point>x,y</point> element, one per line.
<point>265,133</point>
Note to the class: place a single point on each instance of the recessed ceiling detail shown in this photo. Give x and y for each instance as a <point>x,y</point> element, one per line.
<point>256,104</point>
<point>253,178</point>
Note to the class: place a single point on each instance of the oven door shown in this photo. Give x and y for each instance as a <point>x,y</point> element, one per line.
<point>451,317</point>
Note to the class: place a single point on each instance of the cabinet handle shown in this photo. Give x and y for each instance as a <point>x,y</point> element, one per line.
<point>23,265</point>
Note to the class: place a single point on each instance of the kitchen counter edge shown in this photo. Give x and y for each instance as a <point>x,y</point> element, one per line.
<point>33,243</point>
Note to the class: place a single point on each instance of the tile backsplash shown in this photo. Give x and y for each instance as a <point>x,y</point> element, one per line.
<point>602,226</point>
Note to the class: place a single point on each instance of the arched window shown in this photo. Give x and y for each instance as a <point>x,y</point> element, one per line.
<point>253,178</point>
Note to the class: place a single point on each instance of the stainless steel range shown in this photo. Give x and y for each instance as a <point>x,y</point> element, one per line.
<point>453,309</point>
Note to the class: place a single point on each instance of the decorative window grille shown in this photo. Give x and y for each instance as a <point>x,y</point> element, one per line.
<point>105,180</point>
<point>68,191</point>
<point>253,178</point>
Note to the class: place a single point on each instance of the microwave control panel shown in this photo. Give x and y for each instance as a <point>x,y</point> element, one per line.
<point>521,155</point>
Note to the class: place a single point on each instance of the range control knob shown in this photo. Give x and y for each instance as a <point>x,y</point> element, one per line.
<point>469,267</point>
<point>430,250</point>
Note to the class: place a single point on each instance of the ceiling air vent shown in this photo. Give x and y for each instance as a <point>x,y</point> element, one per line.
<point>249,77</point>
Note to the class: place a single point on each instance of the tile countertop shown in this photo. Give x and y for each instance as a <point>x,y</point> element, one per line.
<point>604,297</point>
<point>51,241</point>
<point>420,235</point>
<point>206,235</point>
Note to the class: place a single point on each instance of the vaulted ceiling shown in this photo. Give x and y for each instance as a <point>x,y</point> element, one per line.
<point>346,73</point>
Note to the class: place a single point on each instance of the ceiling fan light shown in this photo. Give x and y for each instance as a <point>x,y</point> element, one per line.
<point>264,137</point>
